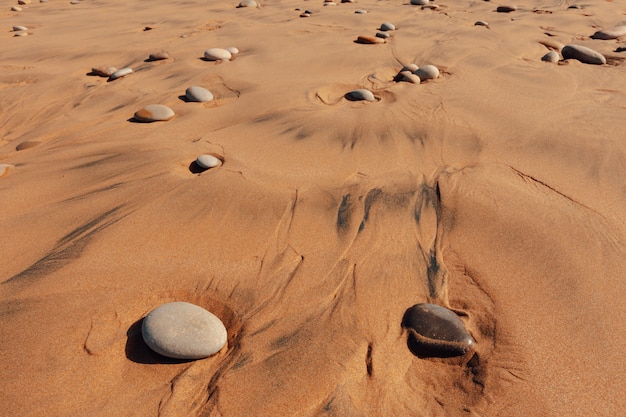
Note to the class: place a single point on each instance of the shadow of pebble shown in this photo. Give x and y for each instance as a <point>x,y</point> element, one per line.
<point>184,98</point>
<point>195,168</point>
<point>138,352</point>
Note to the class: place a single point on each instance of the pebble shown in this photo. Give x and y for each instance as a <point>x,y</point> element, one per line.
<point>427,72</point>
<point>158,56</point>
<point>16,9</point>
<point>23,2</point>
<point>420,2</point>
<point>481,23</point>
<point>247,3</point>
<point>506,9</point>
<point>575,6</point>
<point>21,33</point>
<point>583,54</point>
<point>383,35</point>
<point>120,73</point>
<point>27,145</point>
<point>360,11</point>
<point>154,113</point>
<point>217,54</point>
<point>18,28</point>
<point>551,56</point>
<point>436,331</point>
<point>609,34</point>
<point>387,26</point>
<point>348,1</point>
<point>103,70</point>
<point>198,94</point>
<point>369,40</point>
<point>4,169</point>
<point>208,161</point>
<point>233,51</point>
<point>330,3</point>
<point>620,49</point>
<point>183,330</point>
<point>410,67</point>
<point>409,77</point>
<point>361,94</point>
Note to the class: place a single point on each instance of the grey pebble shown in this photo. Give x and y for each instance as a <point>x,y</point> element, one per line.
<point>583,54</point>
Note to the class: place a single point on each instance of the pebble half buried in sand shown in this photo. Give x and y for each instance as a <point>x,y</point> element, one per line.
<point>183,330</point>
<point>608,34</point>
<point>198,94</point>
<point>551,56</point>
<point>408,76</point>
<point>419,2</point>
<point>361,94</point>
<point>208,161</point>
<point>4,169</point>
<point>120,73</point>
<point>583,54</point>
<point>427,72</point>
<point>217,54</point>
<point>158,56</point>
<point>436,331</point>
<point>247,3</point>
<point>154,113</point>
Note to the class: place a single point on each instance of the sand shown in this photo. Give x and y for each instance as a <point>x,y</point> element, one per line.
<point>496,190</point>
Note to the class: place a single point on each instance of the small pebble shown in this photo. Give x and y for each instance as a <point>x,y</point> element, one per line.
<point>410,67</point>
<point>74,2</point>
<point>360,11</point>
<point>305,14</point>
<point>361,94</point>
<point>408,76</point>
<point>233,51</point>
<point>120,73</point>
<point>103,70</point>
<point>551,56</point>
<point>23,2</point>
<point>348,1</point>
<point>21,34</point>
<point>208,161</point>
<point>43,1</point>
<point>27,145</point>
<point>369,40</point>
<point>481,23</point>
<point>387,26</point>
<point>198,94</point>
<point>420,2</point>
<point>18,28</point>
<point>16,9</point>
<point>383,35</point>
<point>154,113</point>
<point>583,54</point>
<point>183,331</point>
<point>158,56</point>
<point>4,169</point>
<point>608,34</point>
<point>427,72</point>
<point>248,3</point>
<point>506,9</point>
<point>330,3</point>
<point>217,54</point>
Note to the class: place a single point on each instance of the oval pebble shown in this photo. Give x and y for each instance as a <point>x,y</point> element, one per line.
<point>21,33</point>
<point>360,11</point>
<point>154,113</point>
<point>369,40</point>
<point>208,161</point>
<point>217,54</point>
<point>427,72</point>
<point>361,94</point>
<point>16,9</point>
<point>183,330</point>
<point>408,76</point>
<point>198,94</point>
<point>481,23</point>
<point>608,34</point>
<point>330,3</point>
<point>120,73</point>
<point>233,51</point>
<point>436,331</point>
<point>383,35</point>
<point>387,26</point>
<point>18,28</point>
<point>583,54</point>
<point>247,3</point>
<point>103,70</point>
<point>4,169</point>
<point>420,2</point>
<point>551,56</point>
<point>506,9</point>
<point>410,67</point>
<point>158,56</point>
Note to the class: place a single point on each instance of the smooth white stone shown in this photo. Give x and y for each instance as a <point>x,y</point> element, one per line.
<point>154,113</point>
<point>419,2</point>
<point>583,54</point>
<point>608,34</point>
<point>361,94</point>
<point>233,51</point>
<point>208,161</point>
<point>18,28</point>
<point>198,94</point>
<point>481,23</point>
<point>217,54</point>
<point>183,330</point>
<point>360,11</point>
<point>120,73</point>
<point>104,70</point>
<point>16,9</point>
<point>410,67</point>
<point>408,76</point>
<point>158,56</point>
<point>427,72</point>
<point>387,26</point>
<point>248,3</point>
<point>551,56</point>
<point>23,2</point>
<point>21,33</point>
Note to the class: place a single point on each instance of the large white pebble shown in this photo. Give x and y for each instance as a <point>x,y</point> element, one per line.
<point>233,51</point>
<point>208,161</point>
<point>217,54</point>
<point>583,54</point>
<point>408,76</point>
<point>198,94</point>
<point>419,2</point>
<point>183,330</point>
<point>361,94</point>
<point>18,28</point>
<point>427,72</point>
<point>120,73</point>
<point>154,113</point>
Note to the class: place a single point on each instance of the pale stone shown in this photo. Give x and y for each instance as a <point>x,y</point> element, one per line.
<point>21,33</point>
<point>208,161</point>
<point>408,76</point>
<point>103,70</point>
<point>120,73</point>
<point>233,51</point>
<point>551,56</point>
<point>16,9</point>
<point>157,56</point>
<point>198,94</point>
<point>18,28</point>
<point>4,169</point>
<point>481,23</point>
<point>608,34</point>
<point>369,40</point>
<point>410,67</point>
<point>387,26</point>
<point>383,35</point>
<point>217,54</point>
<point>361,94</point>
<point>583,54</point>
<point>183,330</point>
<point>427,72</point>
<point>154,113</point>
<point>360,11</point>
<point>22,2</point>
<point>420,2</point>
<point>247,3</point>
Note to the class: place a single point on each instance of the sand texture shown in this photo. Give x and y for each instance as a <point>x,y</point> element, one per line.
<point>496,190</point>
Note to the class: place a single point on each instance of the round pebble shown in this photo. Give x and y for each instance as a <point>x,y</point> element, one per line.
<point>383,35</point>
<point>233,51</point>
<point>18,28</point>
<point>506,9</point>
<point>120,73</point>
<point>551,56</point>
<point>217,54</point>
<point>427,72</point>
<point>183,330</point>
<point>247,3</point>
<point>330,3</point>
<point>387,26</point>
<point>361,94</point>
<point>436,331</point>
<point>23,2</point>
<point>408,76</point>
<point>4,169</point>
<point>103,70</point>
<point>208,161</point>
<point>198,94</point>
<point>158,56</point>
<point>21,33</point>
<point>154,113</point>
<point>420,2</point>
<point>608,34</point>
<point>583,54</point>
<point>370,40</point>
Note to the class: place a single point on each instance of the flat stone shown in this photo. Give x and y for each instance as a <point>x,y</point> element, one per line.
<point>506,9</point>
<point>198,94</point>
<point>16,9</point>
<point>208,161</point>
<point>23,2</point>
<point>383,35</point>
<point>217,54</point>
<point>154,113</point>
<point>551,56</point>
<point>103,70</point>
<point>436,331</point>
<point>4,169</point>
<point>158,56</point>
<point>369,40</point>
<point>330,3</point>
<point>120,73</point>
<point>17,28</point>
<point>420,2</point>
<point>360,11</point>
<point>427,72</point>
<point>248,3</point>
<point>387,26</point>
<point>27,145</point>
<point>608,34</point>
<point>481,23</point>
<point>183,330</point>
<point>408,76</point>
<point>361,94</point>
<point>583,54</point>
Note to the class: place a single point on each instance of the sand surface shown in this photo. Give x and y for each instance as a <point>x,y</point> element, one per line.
<point>496,190</point>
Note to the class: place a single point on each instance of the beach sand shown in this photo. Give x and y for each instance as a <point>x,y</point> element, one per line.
<point>496,190</point>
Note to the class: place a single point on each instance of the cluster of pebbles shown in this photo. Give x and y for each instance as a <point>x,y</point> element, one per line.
<point>381,36</point>
<point>415,75</point>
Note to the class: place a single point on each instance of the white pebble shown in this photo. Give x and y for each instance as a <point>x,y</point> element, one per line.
<point>427,72</point>
<point>233,51</point>
<point>361,94</point>
<point>18,28</point>
<point>387,26</point>
<point>419,2</point>
<point>198,94</point>
<point>208,161</point>
<point>120,73</point>
<point>217,54</point>
<point>247,3</point>
<point>154,113</point>
<point>551,56</point>
<point>608,34</point>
